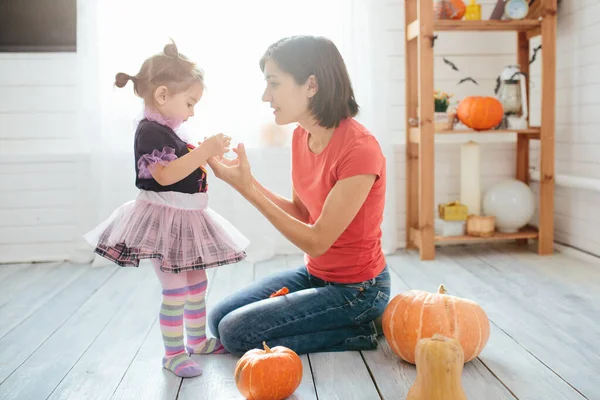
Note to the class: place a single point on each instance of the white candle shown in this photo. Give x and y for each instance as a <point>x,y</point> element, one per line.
<point>470,181</point>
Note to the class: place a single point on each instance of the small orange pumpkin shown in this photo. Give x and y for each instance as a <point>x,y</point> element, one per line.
<point>480,112</point>
<point>449,9</point>
<point>269,374</point>
<point>417,314</point>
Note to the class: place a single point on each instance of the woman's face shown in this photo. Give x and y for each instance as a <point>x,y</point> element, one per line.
<point>289,100</point>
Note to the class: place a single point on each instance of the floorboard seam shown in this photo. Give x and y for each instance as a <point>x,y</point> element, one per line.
<point>135,355</point>
<point>49,336</point>
<point>520,345</point>
<point>371,375</point>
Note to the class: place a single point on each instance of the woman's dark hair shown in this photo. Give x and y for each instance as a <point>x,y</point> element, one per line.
<point>303,56</point>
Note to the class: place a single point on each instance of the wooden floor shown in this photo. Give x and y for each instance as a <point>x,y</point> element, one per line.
<point>76,332</point>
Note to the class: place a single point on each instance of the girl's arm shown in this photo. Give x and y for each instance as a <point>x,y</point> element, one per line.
<point>180,168</point>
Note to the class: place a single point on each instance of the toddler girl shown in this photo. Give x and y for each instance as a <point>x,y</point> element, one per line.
<point>169,222</point>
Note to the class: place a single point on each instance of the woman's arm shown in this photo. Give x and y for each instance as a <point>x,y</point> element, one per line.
<point>293,207</point>
<point>178,169</point>
<point>341,206</point>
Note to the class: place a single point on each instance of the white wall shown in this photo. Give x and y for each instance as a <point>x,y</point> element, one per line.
<point>44,178</point>
<point>40,171</point>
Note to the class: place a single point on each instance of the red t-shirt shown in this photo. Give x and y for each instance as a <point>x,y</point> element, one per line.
<point>356,255</point>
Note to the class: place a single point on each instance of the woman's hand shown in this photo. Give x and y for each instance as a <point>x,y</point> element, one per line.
<point>235,172</point>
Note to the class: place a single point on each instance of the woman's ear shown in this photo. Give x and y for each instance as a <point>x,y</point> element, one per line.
<point>160,95</point>
<point>312,86</point>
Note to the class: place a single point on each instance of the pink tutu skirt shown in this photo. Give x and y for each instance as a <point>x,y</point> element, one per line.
<point>177,228</point>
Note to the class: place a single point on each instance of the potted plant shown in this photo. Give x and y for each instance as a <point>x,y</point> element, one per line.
<point>442,118</point>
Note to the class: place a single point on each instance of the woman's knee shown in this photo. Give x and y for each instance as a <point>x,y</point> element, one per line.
<point>235,335</point>
<point>214,317</point>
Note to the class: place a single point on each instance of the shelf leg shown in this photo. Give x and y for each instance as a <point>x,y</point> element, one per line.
<point>546,210</point>
<point>523,141</point>
<point>412,149</point>
<point>426,146</point>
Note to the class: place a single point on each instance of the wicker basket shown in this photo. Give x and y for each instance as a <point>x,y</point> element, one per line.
<point>481,226</point>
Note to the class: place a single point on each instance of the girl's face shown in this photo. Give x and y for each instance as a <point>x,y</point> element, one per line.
<point>178,107</point>
<point>289,100</point>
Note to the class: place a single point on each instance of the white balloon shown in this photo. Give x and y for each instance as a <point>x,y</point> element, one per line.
<point>513,204</point>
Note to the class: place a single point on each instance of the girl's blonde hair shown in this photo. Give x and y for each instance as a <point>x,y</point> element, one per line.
<point>169,68</point>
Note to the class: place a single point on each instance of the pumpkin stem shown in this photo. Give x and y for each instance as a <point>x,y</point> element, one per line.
<point>267,348</point>
<point>441,290</point>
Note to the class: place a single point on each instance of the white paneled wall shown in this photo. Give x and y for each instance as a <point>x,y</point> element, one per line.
<point>44,176</point>
<point>41,173</point>
<point>38,103</point>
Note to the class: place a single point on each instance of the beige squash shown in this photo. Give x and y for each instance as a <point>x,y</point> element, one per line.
<point>439,362</point>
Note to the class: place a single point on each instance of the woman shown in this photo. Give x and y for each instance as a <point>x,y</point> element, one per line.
<point>334,216</point>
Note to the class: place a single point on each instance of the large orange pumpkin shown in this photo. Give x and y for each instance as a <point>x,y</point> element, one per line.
<point>480,112</point>
<point>269,374</point>
<point>449,9</point>
<point>416,314</point>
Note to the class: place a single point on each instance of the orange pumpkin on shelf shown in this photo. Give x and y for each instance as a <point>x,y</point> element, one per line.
<point>480,112</point>
<point>449,9</point>
<point>417,314</point>
<point>269,374</point>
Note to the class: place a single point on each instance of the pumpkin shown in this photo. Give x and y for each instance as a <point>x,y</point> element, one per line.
<point>416,314</point>
<point>449,9</point>
<point>439,368</point>
<point>269,374</point>
<point>480,112</point>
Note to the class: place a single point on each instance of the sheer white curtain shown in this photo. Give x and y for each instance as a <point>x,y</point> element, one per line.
<point>226,39</point>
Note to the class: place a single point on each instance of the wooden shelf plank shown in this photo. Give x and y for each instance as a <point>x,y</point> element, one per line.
<point>526,233</point>
<point>547,155</point>
<point>414,133</point>
<point>530,131</point>
<point>486,25</point>
<point>426,162</point>
<point>412,104</point>
<point>533,33</point>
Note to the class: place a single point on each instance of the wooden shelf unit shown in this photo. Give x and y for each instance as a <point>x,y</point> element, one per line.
<point>420,208</point>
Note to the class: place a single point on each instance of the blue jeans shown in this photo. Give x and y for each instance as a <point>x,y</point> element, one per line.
<point>315,316</point>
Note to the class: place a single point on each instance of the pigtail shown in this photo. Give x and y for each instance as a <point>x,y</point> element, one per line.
<point>122,78</point>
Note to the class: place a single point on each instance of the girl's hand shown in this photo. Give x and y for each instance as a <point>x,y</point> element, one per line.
<point>235,172</point>
<point>215,146</point>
